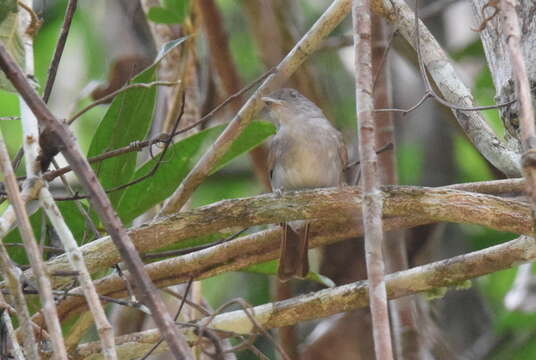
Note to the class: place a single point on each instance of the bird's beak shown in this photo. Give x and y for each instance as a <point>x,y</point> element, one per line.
<point>271,101</point>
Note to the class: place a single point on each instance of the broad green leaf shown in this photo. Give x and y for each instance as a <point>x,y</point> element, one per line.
<point>9,37</point>
<point>128,119</point>
<point>161,15</point>
<point>270,268</point>
<point>172,12</point>
<point>177,162</point>
<point>178,7</point>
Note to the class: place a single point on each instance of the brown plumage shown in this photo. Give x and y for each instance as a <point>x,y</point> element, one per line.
<point>306,152</point>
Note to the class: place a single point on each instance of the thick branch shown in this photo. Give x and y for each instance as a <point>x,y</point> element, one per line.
<point>336,205</point>
<point>444,273</point>
<point>419,206</point>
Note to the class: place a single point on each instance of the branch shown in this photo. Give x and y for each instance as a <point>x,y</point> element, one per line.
<point>34,256</point>
<point>450,85</point>
<point>99,200</point>
<point>372,199</point>
<point>512,32</point>
<point>403,207</point>
<point>30,146</point>
<point>440,274</point>
<point>11,273</point>
<point>60,46</point>
<point>403,311</point>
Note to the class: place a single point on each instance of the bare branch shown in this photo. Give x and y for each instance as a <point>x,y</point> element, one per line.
<point>450,85</point>
<point>12,273</point>
<point>87,177</point>
<point>372,200</point>
<point>444,273</point>
<point>403,207</point>
<point>527,122</point>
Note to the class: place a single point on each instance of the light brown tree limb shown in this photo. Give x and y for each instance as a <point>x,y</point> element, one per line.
<point>426,204</point>
<point>403,207</point>
<point>372,199</point>
<point>445,273</point>
<point>512,33</point>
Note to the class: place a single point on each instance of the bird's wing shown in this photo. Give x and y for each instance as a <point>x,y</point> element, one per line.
<point>272,149</point>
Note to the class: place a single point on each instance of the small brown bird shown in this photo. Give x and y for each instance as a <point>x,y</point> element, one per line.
<point>306,152</point>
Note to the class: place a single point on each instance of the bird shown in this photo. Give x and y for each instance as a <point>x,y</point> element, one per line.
<point>306,152</point>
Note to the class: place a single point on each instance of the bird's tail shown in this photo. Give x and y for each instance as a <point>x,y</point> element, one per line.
<point>293,260</point>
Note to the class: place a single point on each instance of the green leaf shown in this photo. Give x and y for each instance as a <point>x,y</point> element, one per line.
<point>172,12</point>
<point>128,119</point>
<point>9,37</point>
<point>178,7</point>
<point>270,268</point>
<point>176,164</point>
<point>161,15</point>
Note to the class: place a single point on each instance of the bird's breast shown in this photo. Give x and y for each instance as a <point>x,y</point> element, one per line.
<point>306,162</point>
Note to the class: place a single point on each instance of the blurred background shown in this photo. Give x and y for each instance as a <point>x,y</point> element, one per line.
<point>431,150</point>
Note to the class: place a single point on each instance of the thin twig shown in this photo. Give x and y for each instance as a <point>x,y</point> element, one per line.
<point>104,328</point>
<point>53,68</point>
<point>372,200</point>
<point>89,222</point>
<point>12,274</point>
<point>101,203</point>
<point>113,94</point>
<point>183,301</point>
<point>60,46</point>
<point>179,252</point>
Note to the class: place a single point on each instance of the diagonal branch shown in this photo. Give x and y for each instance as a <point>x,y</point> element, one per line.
<point>100,201</point>
<point>450,85</point>
<point>309,42</point>
<point>527,121</point>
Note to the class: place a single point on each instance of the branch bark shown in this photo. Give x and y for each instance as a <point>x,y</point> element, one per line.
<point>403,207</point>
<point>372,199</point>
<point>523,93</point>
<point>398,13</point>
<point>99,200</point>
<point>438,275</point>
